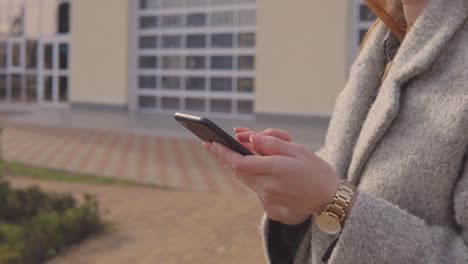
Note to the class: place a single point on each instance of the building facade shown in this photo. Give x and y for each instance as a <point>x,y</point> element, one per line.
<point>229,58</point>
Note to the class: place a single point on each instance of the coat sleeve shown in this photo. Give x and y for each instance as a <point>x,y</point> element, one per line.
<point>379,232</point>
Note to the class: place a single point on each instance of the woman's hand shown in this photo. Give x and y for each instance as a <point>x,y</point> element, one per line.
<point>290,178</point>
<point>275,212</point>
<point>243,136</point>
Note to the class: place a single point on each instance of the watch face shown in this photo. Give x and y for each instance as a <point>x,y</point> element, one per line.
<point>328,224</point>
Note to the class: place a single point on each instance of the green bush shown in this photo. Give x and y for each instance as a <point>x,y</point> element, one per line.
<point>17,205</point>
<point>36,226</point>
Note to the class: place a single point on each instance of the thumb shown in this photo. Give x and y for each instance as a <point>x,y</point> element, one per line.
<point>273,146</point>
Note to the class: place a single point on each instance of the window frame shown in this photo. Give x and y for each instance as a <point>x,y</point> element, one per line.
<point>39,72</point>
<point>207,73</point>
<point>356,26</point>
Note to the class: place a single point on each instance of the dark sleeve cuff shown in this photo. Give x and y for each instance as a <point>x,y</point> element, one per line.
<point>284,240</point>
<point>326,257</point>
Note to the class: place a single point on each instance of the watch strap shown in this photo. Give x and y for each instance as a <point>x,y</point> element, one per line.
<point>341,200</point>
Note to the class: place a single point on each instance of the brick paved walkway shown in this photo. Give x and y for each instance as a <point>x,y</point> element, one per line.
<point>167,161</point>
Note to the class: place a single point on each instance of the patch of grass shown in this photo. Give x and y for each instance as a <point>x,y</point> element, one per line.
<point>20,170</point>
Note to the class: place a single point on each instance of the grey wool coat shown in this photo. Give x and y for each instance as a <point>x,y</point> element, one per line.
<point>403,142</point>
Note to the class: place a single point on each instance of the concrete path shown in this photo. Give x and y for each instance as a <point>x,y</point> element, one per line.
<point>149,149</point>
<point>152,226</point>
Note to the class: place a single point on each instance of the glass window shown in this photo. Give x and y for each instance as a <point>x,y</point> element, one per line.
<point>53,17</point>
<point>171,21</point>
<point>366,14</point>
<point>224,40</point>
<point>245,85</point>
<point>3,87</point>
<point>177,55</point>
<point>148,62</point>
<point>16,55</point>
<point>221,106</point>
<point>145,101</point>
<point>223,18</point>
<point>197,3</point>
<point>195,62</point>
<point>221,62</point>
<point>196,41</point>
<point>171,62</point>
<point>63,89</point>
<point>64,18</point>
<point>48,88</point>
<point>362,35</point>
<point>48,56</point>
<point>171,83</point>
<point>16,18</point>
<point>3,55</point>
<point>196,20</point>
<point>148,42</point>
<point>31,88</point>
<point>246,40</point>
<point>195,104</point>
<point>171,42</point>
<point>63,56</point>
<point>149,4</point>
<point>221,84</point>
<point>247,17</point>
<point>172,103</point>
<point>31,54</point>
<point>246,62</point>
<point>245,107</point>
<point>148,22</point>
<point>222,2</point>
<point>16,87</point>
<point>147,82</point>
<point>195,83</point>
<point>171,3</point>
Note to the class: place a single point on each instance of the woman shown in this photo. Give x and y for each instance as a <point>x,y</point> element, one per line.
<point>399,135</point>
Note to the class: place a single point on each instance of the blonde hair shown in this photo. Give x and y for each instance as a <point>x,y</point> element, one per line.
<point>389,12</point>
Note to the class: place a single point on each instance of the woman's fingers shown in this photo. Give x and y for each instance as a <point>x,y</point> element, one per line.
<point>211,149</point>
<point>273,146</point>
<point>277,133</point>
<point>208,147</point>
<point>253,165</point>
<point>242,129</point>
<point>248,146</point>
<point>245,136</point>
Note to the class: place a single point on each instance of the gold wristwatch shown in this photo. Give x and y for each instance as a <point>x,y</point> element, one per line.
<point>330,221</point>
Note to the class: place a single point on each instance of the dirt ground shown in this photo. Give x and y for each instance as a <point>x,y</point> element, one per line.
<point>168,227</point>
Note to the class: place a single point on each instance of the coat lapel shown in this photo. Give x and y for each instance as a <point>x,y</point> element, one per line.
<point>429,35</point>
<point>353,103</point>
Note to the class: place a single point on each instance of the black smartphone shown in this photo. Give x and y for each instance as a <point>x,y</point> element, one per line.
<point>208,131</point>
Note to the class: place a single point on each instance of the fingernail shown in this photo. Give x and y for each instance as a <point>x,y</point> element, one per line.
<point>255,137</point>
